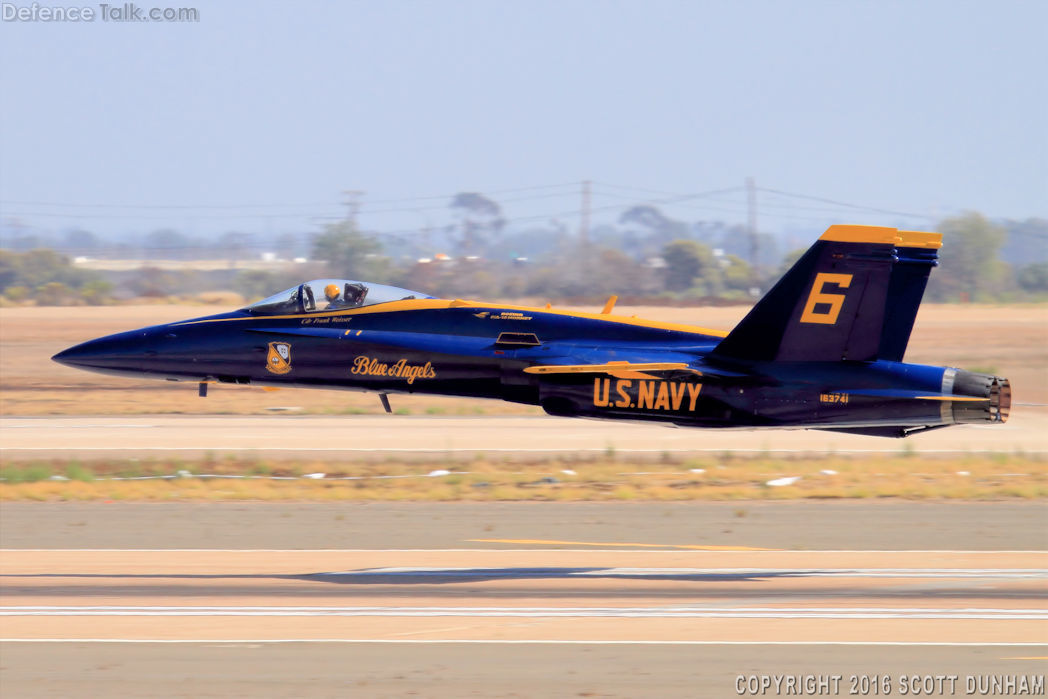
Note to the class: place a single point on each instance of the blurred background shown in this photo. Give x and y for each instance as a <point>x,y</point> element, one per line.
<point>669,152</point>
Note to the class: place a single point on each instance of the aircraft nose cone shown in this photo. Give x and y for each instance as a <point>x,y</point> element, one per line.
<point>113,352</point>
<point>68,357</point>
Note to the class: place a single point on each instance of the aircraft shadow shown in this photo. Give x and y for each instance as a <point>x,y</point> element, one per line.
<point>437,582</point>
<point>383,576</point>
<point>468,575</point>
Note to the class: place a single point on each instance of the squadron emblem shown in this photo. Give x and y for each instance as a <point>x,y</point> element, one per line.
<point>279,359</point>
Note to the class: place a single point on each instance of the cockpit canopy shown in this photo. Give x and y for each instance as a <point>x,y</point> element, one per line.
<point>330,295</point>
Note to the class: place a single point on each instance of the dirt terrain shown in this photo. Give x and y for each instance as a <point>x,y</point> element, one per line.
<point>1011,341</point>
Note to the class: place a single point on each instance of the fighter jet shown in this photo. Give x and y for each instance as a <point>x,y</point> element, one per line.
<point>823,349</point>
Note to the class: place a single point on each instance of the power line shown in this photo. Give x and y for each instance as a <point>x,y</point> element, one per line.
<point>71,205</point>
<point>77,205</point>
<point>824,200</point>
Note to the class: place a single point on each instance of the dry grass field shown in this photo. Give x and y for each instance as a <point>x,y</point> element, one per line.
<point>1007,340</point>
<point>551,479</point>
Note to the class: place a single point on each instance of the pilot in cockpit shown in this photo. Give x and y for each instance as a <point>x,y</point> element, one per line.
<point>351,297</point>
<point>331,292</point>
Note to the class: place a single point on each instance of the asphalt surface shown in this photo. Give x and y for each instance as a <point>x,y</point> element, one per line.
<point>805,525</point>
<point>277,436</point>
<point>483,670</point>
<point>689,559</point>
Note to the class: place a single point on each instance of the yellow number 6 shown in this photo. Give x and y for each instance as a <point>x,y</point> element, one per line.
<point>834,301</point>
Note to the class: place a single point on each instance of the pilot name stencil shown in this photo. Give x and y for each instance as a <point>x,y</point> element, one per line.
<point>645,395</point>
<point>326,319</point>
<point>369,366</point>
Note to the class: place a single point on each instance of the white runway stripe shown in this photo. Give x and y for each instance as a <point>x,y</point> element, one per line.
<point>806,553</point>
<point>528,642</point>
<point>538,612</point>
<point>483,450</point>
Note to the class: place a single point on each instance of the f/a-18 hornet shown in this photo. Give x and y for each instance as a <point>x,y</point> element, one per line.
<point>822,349</point>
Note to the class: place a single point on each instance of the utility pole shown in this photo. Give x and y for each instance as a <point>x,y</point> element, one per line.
<point>352,203</point>
<point>751,225</point>
<point>751,219</point>
<point>584,219</point>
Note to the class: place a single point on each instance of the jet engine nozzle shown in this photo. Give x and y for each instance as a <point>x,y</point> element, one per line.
<point>996,390</point>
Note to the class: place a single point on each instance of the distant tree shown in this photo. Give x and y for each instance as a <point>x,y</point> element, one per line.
<point>168,243</point>
<point>80,241</point>
<point>55,294</point>
<point>254,284</point>
<point>969,257</point>
<point>686,261</point>
<point>347,252</point>
<point>287,245</point>
<point>1033,278</point>
<point>481,220</point>
<point>789,260</point>
<point>96,292</point>
<point>1027,241</point>
<point>9,275</point>
<point>660,228</point>
<point>37,267</point>
<point>735,240</point>
<point>736,273</point>
<point>235,246</point>
<point>152,282</point>
<point>50,279</point>
<point>614,272</point>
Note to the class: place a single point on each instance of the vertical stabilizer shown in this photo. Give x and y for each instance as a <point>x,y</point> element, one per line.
<point>918,253</point>
<point>852,296</point>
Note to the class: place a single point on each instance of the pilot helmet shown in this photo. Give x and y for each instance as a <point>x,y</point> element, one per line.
<point>331,291</point>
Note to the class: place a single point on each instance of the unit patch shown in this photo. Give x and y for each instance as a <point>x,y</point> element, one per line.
<point>278,361</point>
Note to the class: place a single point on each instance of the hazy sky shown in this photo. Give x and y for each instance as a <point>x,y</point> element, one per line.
<point>268,110</point>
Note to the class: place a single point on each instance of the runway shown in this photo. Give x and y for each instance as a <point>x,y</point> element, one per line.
<point>578,595</point>
<point>490,615</point>
<point>284,436</point>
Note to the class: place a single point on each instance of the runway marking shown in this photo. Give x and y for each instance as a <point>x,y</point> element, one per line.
<point>688,547</point>
<point>513,450</point>
<point>540,612</point>
<point>804,552</point>
<point>129,425</point>
<point>531,642</point>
